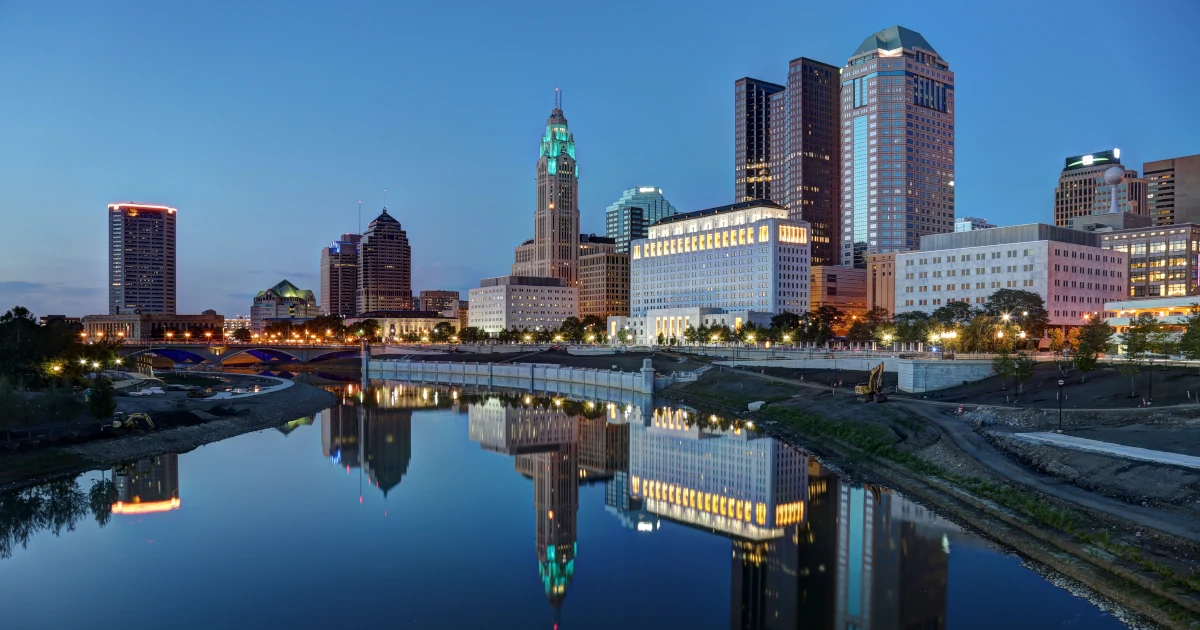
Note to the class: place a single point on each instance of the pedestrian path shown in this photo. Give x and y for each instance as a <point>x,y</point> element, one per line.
<point>1108,448</point>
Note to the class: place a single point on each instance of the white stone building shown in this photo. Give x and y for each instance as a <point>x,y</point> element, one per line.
<point>1066,267</point>
<point>742,262</point>
<point>521,302</point>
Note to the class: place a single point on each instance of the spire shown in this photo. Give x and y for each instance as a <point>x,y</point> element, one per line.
<point>557,98</point>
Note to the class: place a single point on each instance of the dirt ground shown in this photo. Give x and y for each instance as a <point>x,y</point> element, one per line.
<point>1104,388</point>
<point>848,378</point>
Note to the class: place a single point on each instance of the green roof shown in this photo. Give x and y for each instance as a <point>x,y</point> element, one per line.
<point>891,38</point>
<point>286,289</point>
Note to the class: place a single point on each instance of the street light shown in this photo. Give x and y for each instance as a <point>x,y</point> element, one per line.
<point>170,335</point>
<point>1060,401</point>
<point>57,368</point>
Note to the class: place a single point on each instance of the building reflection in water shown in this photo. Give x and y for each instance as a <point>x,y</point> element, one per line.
<point>148,485</point>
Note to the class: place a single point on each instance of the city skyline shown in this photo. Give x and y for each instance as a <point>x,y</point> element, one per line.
<point>248,170</point>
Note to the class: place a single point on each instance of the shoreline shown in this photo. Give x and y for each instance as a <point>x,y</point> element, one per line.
<point>255,413</point>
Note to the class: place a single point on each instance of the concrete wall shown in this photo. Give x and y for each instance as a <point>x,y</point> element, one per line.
<point>918,376</point>
<point>532,376</point>
<point>849,362</point>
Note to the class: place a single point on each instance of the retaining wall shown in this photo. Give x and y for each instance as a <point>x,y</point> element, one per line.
<point>532,376</point>
<point>917,376</point>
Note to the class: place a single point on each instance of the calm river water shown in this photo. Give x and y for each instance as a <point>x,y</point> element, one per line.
<point>420,507</point>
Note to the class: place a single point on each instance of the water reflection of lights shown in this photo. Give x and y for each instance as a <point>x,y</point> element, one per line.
<point>147,507</point>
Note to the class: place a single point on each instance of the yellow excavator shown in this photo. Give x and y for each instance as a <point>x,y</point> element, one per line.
<point>132,422</point>
<point>872,390</point>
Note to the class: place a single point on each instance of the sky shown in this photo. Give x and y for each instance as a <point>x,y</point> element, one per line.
<point>266,123</point>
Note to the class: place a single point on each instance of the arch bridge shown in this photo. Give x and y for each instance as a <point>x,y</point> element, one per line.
<point>216,354</point>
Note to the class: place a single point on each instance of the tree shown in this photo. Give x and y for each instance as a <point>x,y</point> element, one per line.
<point>751,333</point>
<point>1026,308</point>
<point>878,316</point>
<point>442,332</point>
<point>1139,339</point>
<point>1093,338</point>
<point>1189,341</point>
<point>953,314</point>
<point>861,330</point>
<point>593,324</point>
<point>101,400</point>
<point>471,334</point>
<point>1058,341</point>
<point>327,326</point>
<point>690,335</point>
<point>243,334</point>
<point>1004,366</point>
<point>368,328</point>
<point>822,322</point>
<point>623,335</point>
<point>1023,370</point>
<point>911,326</point>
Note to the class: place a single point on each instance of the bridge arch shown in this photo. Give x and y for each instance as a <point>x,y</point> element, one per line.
<point>262,354</point>
<point>178,355</point>
<point>352,353</point>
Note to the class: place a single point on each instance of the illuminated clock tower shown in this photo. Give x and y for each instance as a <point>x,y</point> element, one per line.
<point>554,251</point>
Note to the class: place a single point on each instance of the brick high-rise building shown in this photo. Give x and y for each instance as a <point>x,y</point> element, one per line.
<point>339,276</point>
<point>439,301</point>
<point>141,258</point>
<point>1173,190</point>
<point>554,252</point>
<point>604,285</point>
<point>384,267</point>
<point>897,153</point>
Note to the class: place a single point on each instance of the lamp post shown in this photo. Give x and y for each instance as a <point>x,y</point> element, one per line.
<point>1060,401</point>
<point>1150,392</point>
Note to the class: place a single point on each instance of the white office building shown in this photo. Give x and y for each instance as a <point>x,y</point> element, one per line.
<point>732,264</point>
<point>521,302</point>
<point>1066,267</point>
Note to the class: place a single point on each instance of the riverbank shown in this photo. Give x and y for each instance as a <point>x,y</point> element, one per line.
<point>1136,567</point>
<point>236,416</point>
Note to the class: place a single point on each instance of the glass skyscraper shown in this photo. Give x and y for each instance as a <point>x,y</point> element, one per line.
<point>897,145</point>
<point>626,219</point>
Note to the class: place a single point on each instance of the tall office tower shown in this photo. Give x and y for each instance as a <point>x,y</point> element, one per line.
<point>141,258</point>
<point>1083,189</point>
<point>811,187</point>
<point>758,130</point>
<point>897,145</point>
<point>628,217</point>
<point>384,267</point>
<point>1173,190</point>
<point>339,276</point>
<point>555,247</point>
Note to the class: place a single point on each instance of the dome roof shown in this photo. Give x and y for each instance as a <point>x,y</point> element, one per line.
<point>891,38</point>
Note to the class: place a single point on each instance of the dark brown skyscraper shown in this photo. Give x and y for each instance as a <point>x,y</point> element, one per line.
<point>384,267</point>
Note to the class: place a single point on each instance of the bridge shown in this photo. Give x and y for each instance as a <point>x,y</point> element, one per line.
<point>216,354</point>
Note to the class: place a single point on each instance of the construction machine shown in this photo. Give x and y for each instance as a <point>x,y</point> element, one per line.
<point>132,422</point>
<point>872,390</point>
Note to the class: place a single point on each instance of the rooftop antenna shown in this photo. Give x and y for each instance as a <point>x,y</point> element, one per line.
<point>557,97</point>
<point>385,199</point>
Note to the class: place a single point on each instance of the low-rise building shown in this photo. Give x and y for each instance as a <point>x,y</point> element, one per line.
<point>844,288</point>
<point>283,302</point>
<point>604,285</point>
<point>1066,267</point>
<point>154,326</point>
<point>745,257</point>
<point>1162,260</point>
<point>394,325</point>
<point>236,323</point>
<point>521,302</point>
<point>668,325</point>
<point>881,282</point>
<point>439,301</point>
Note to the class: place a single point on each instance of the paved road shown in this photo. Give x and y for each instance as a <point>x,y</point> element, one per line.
<point>1108,448</point>
<point>973,444</point>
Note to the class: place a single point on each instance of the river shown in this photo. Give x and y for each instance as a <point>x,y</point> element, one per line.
<point>422,507</point>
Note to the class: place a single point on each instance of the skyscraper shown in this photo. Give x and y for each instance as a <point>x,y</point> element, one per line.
<point>141,258</point>
<point>758,144</point>
<point>339,276</point>
<point>1083,191</point>
<point>628,217</point>
<point>1173,190</point>
<point>384,267</point>
<point>786,148</point>
<point>897,153</point>
<point>555,247</point>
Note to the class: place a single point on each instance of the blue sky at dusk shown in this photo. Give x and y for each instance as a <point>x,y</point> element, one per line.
<point>265,123</point>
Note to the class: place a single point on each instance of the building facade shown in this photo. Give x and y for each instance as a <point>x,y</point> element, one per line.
<point>1083,190</point>
<point>1163,261</point>
<point>153,326</point>
<point>844,288</point>
<point>881,282</point>
<point>439,301</point>
<point>555,247</point>
<point>339,276</point>
<point>591,244</point>
<point>1068,268</point>
<point>604,285</point>
<point>758,140</point>
<point>522,303</point>
<point>384,267</point>
<point>282,302</point>
<point>897,153</point>
<point>236,323</point>
<point>966,224</point>
<point>393,325</point>
<point>628,217</point>
<point>141,258</point>
<point>1173,190</point>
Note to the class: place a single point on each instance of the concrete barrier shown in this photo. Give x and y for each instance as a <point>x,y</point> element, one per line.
<point>849,362</point>
<point>918,376</point>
